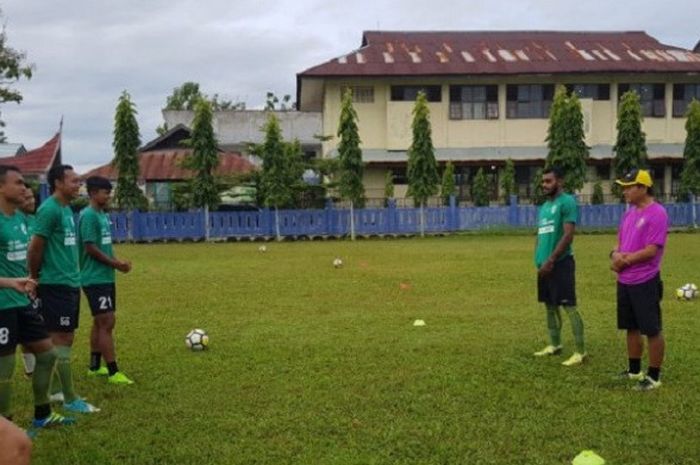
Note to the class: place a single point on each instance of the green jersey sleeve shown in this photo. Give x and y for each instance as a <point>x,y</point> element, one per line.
<point>569,210</point>
<point>45,221</point>
<point>89,228</point>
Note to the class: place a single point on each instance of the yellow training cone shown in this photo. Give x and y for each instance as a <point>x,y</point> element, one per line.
<point>588,457</point>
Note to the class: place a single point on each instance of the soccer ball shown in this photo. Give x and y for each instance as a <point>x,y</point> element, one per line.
<point>687,292</point>
<point>262,249</point>
<point>337,263</point>
<point>197,339</point>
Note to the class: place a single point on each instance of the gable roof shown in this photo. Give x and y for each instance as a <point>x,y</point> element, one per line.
<point>166,165</point>
<point>38,161</point>
<point>425,53</point>
<point>171,139</point>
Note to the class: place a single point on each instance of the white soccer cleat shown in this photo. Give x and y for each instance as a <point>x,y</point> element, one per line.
<point>549,350</point>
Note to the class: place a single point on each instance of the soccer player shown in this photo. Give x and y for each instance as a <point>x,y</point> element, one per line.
<point>97,265</point>
<point>637,262</point>
<point>28,207</point>
<point>53,261</point>
<point>19,321</point>
<point>554,259</point>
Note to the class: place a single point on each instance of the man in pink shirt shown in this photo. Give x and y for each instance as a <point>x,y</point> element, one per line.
<point>637,262</point>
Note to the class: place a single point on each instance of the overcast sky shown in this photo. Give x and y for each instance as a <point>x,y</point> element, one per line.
<point>87,52</point>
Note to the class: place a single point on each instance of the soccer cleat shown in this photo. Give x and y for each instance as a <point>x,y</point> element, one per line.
<point>80,406</point>
<point>119,378</point>
<point>549,350</point>
<point>57,397</point>
<point>101,371</point>
<point>627,375</point>
<point>54,419</point>
<point>647,384</point>
<point>575,359</point>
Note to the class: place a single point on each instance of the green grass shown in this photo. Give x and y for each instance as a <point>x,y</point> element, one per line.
<point>315,365</point>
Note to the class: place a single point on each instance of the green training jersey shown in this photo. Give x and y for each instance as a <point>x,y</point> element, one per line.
<point>14,239</point>
<point>29,221</point>
<point>94,227</point>
<point>54,222</point>
<point>550,226</point>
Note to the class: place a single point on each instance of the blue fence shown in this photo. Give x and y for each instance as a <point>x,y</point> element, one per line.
<point>332,222</point>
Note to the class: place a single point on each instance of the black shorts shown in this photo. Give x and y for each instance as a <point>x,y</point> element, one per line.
<point>60,307</point>
<point>559,286</point>
<point>20,325</point>
<point>639,306</point>
<point>101,297</point>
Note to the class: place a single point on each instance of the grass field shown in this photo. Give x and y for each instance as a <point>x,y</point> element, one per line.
<point>315,365</point>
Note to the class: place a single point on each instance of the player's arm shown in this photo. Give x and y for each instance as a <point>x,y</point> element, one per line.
<point>23,285</point>
<point>566,239</point>
<point>625,260</point>
<point>101,257</point>
<point>35,255</point>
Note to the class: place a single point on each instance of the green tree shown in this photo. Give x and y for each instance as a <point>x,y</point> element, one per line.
<point>508,181</point>
<point>690,176</point>
<point>480,189</point>
<point>126,143</point>
<point>598,197</point>
<point>274,103</point>
<point>447,187</point>
<point>13,67</point>
<point>282,168</point>
<point>186,96</point>
<point>350,156</point>
<point>388,185</point>
<point>566,139</point>
<point>422,172</point>
<point>537,193</point>
<point>630,147</point>
<point>204,159</point>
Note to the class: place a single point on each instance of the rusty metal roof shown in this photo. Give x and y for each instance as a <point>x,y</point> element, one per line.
<point>406,53</point>
<point>166,165</point>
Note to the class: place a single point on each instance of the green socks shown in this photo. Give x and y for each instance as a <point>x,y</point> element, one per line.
<point>7,368</point>
<point>576,328</point>
<point>65,376</point>
<point>41,379</point>
<point>554,325</point>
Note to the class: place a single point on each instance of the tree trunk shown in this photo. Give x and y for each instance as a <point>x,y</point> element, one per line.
<point>277,225</point>
<point>352,221</point>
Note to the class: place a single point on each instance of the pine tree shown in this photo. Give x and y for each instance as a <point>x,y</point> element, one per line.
<point>598,197</point>
<point>690,176</point>
<point>126,143</point>
<point>350,156</point>
<point>205,157</point>
<point>508,181</point>
<point>537,193</point>
<point>566,140</point>
<point>448,188</point>
<point>422,172</point>
<point>630,148</point>
<point>388,185</point>
<point>480,189</point>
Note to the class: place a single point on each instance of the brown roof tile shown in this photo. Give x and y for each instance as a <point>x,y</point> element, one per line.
<point>37,161</point>
<point>394,53</point>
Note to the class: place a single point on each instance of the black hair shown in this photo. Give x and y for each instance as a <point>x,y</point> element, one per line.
<point>4,169</point>
<point>555,170</point>
<point>95,183</point>
<point>57,173</point>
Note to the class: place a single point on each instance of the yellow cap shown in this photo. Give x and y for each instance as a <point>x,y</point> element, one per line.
<point>636,176</point>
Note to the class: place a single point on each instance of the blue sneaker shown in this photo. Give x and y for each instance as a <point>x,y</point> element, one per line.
<point>79,405</point>
<point>54,419</point>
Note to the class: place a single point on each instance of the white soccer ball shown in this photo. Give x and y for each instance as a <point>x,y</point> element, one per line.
<point>687,292</point>
<point>197,339</point>
<point>337,263</point>
<point>262,249</point>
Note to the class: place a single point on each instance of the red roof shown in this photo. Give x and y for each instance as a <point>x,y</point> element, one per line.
<point>406,53</point>
<point>165,165</point>
<point>37,161</point>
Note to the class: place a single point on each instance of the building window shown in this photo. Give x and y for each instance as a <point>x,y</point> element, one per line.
<point>529,100</point>
<point>410,93</point>
<point>592,91</point>
<point>399,176</point>
<point>603,171</point>
<point>651,98</point>
<point>360,94</point>
<point>683,94</point>
<point>473,102</point>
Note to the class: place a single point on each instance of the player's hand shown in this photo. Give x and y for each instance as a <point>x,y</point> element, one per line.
<point>618,262</point>
<point>24,285</point>
<point>124,266</point>
<point>545,269</point>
